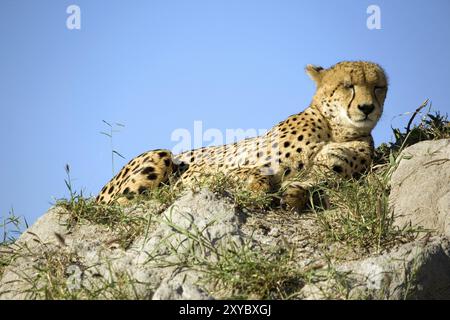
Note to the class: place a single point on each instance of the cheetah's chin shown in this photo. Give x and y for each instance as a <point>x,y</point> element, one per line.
<point>363,123</point>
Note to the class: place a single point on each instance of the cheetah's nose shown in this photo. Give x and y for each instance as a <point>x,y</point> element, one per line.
<point>366,108</point>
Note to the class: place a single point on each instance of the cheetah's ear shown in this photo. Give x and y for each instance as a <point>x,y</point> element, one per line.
<point>315,72</point>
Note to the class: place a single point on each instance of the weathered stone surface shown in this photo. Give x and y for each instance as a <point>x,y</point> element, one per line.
<point>417,270</point>
<point>421,186</point>
<point>146,263</point>
<point>180,286</point>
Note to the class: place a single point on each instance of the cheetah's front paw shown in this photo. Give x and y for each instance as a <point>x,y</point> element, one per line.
<point>294,197</point>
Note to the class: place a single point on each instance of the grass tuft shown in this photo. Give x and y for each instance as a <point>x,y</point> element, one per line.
<point>237,191</point>
<point>11,227</point>
<point>256,274</point>
<point>358,213</point>
<point>127,226</point>
<point>432,126</point>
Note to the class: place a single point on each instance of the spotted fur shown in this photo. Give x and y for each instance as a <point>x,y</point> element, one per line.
<point>331,137</point>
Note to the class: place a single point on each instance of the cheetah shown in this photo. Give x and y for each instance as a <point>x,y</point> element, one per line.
<point>330,138</point>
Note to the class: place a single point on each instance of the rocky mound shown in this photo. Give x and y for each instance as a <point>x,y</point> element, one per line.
<point>204,247</point>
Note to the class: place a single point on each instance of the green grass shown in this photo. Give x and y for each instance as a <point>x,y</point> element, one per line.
<point>358,214</point>
<point>125,224</point>
<point>114,217</point>
<point>236,191</point>
<point>432,125</point>
<point>256,273</point>
<point>10,227</point>
<point>247,272</point>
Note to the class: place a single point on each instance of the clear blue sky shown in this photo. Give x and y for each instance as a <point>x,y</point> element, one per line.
<point>160,65</point>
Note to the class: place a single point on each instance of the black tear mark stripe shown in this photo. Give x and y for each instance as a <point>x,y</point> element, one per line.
<point>351,100</point>
<point>353,93</point>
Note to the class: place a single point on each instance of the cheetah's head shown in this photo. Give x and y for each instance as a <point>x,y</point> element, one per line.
<point>350,94</point>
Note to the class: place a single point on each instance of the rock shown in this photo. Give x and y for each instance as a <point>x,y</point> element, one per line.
<point>175,287</point>
<point>37,245</point>
<point>420,193</point>
<point>146,264</point>
<point>193,214</point>
<point>418,270</point>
